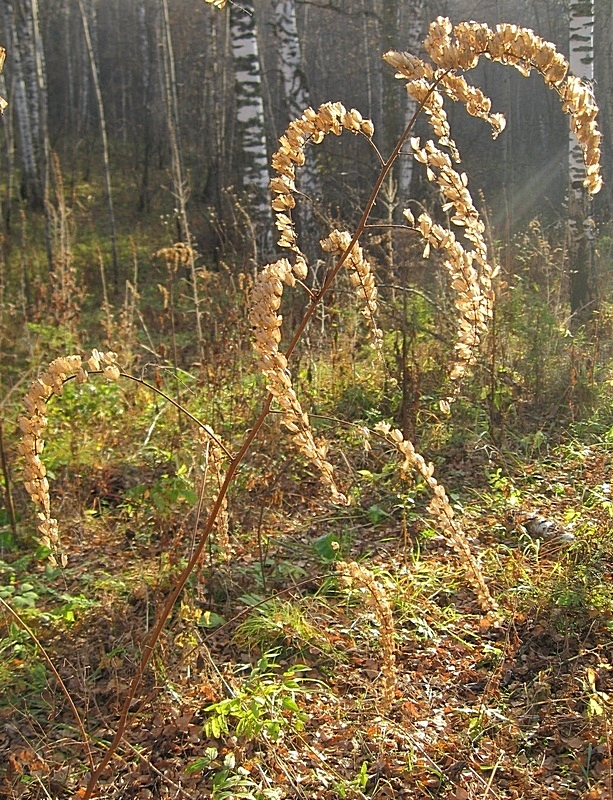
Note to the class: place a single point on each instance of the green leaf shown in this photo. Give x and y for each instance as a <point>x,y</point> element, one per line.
<point>209,619</point>
<point>290,704</point>
<point>327,547</point>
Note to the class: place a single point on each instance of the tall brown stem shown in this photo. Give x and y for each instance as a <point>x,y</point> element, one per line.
<point>156,632</point>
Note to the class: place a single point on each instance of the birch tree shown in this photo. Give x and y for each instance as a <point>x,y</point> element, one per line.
<point>297,99</point>
<point>583,289</point>
<point>411,21</point>
<point>604,79</point>
<point>89,26</point>
<point>252,157</point>
<point>401,29</point>
<point>29,97</point>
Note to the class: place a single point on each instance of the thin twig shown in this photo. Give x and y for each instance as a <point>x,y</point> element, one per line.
<point>233,467</point>
<point>58,677</point>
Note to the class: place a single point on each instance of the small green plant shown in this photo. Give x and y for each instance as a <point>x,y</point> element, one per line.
<point>279,624</point>
<point>229,781</point>
<point>264,704</point>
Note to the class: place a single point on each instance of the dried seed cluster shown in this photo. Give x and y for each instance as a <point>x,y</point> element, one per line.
<point>354,573</point>
<point>460,48</point>
<point>265,302</point>
<point>360,275</point>
<point>267,292</point>
<point>469,270</point>
<point>34,422</point>
<point>441,510</point>
<point>312,126</point>
<point>179,255</point>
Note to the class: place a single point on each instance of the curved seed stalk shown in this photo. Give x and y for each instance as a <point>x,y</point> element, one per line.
<point>33,424</point>
<point>460,48</point>
<point>354,573</point>
<point>441,510</point>
<point>468,267</point>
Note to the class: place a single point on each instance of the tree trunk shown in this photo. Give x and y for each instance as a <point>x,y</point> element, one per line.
<point>253,157</point>
<point>29,97</point>
<point>9,156</point>
<point>180,188</point>
<point>87,31</point>
<point>583,288</point>
<point>297,99</point>
<point>401,29</point>
<point>411,21</point>
<point>603,47</point>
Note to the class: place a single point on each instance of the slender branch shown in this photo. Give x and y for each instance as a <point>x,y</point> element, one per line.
<point>384,172</point>
<point>168,399</point>
<point>233,467</point>
<point>8,493</point>
<point>57,675</point>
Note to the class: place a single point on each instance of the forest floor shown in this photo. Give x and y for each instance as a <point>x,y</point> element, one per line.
<point>269,681</point>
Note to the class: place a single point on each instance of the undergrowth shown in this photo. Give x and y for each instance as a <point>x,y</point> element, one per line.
<point>215,608</point>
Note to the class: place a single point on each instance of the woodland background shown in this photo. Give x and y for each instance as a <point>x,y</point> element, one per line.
<point>122,137</point>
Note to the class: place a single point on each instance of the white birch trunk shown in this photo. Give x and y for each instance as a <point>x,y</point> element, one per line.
<point>583,289</point>
<point>297,99</point>
<point>413,24</point>
<point>26,98</point>
<point>581,40</point>
<point>255,176</point>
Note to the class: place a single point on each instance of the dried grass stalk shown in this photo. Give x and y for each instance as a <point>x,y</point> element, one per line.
<point>441,510</point>
<point>354,573</point>
<point>33,424</point>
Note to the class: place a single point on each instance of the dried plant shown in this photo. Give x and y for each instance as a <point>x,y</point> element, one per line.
<point>266,299</point>
<point>460,48</point>
<point>63,291</point>
<point>441,510</point>
<point>376,597</point>
<point>177,256</point>
<point>267,293</point>
<point>451,49</point>
<point>34,422</point>
<point>214,457</point>
<point>469,270</point>
<point>361,277</point>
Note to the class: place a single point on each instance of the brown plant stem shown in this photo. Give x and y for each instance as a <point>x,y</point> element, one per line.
<point>172,599</point>
<point>234,464</point>
<point>10,506</point>
<point>57,675</point>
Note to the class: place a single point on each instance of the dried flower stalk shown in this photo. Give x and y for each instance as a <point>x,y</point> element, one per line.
<point>34,422</point>
<point>178,255</point>
<point>441,509</point>
<point>460,48</point>
<point>265,302</point>
<point>354,573</point>
<point>360,275</point>
<point>267,292</point>
<point>469,269</point>
<point>312,127</point>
